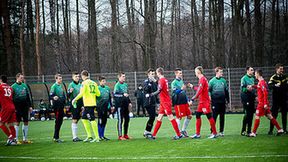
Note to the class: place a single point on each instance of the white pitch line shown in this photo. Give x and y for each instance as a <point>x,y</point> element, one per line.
<point>144,158</point>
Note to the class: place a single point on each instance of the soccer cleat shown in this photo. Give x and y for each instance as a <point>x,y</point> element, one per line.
<point>251,135</point>
<point>88,139</point>
<point>58,140</point>
<point>146,133</point>
<point>221,134</point>
<point>177,137</point>
<point>150,137</point>
<point>95,140</point>
<point>121,138</point>
<point>105,138</point>
<point>195,136</point>
<point>184,133</point>
<point>77,139</point>
<point>11,142</point>
<point>243,133</point>
<point>126,137</point>
<point>212,136</point>
<point>280,131</point>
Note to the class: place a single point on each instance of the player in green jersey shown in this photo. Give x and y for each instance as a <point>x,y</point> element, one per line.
<point>73,91</point>
<point>104,103</point>
<point>22,102</point>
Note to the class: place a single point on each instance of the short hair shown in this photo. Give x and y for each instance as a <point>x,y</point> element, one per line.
<point>277,66</point>
<point>217,69</point>
<point>120,74</point>
<point>160,70</point>
<point>18,75</point>
<point>85,73</point>
<point>248,67</point>
<point>200,68</point>
<point>74,73</point>
<point>259,71</point>
<point>57,75</point>
<point>4,78</point>
<point>101,78</point>
<point>178,69</point>
<point>149,70</point>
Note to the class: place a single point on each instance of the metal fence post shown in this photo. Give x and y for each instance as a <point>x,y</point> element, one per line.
<point>135,87</point>
<point>43,78</point>
<point>229,83</point>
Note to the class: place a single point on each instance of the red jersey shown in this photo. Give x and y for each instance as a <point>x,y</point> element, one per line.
<point>262,92</point>
<point>202,91</point>
<point>6,97</point>
<point>164,90</point>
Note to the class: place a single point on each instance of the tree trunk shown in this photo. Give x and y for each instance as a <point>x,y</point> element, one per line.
<point>39,69</point>
<point>250,56</point>
<point>7,37</point>
<point>114,44</point>
<point>94,41</point>
<point>22,52</point>
<point>258,33</point>
<point>202,58</point>
<point>77,61</point>
<point>44,33</point>
<point>132,33</point>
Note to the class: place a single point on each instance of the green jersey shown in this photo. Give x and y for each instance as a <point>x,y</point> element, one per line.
<point>76,90</point>
<point>218,90</point>
<point>57,90</point>
<point>119,99</point>
<point>178,95</point>
<point>245,94</point>
<point>43,106</point>
<point>120,88</point>
<point>105,97</point>
<point>21,93</point>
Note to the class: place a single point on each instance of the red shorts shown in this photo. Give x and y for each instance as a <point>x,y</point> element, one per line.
<point>182,110</point>
<point>7,115</point>
<point>204,108</point>
<point>165,108</point>
<point>260,111</point>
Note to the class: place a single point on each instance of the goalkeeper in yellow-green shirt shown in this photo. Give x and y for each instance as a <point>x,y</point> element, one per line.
<point>89,91</point>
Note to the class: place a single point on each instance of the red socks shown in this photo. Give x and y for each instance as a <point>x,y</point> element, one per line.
<point>13,132</point>
<point>198,126</point>
<point>256,125</point>
<point>274,122</point>
<point>175,126</point>
<point>5,130</point>
<point>157,127</point>
<point>212,125</point>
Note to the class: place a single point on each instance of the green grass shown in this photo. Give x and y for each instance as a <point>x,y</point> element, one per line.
<point>232,147</point>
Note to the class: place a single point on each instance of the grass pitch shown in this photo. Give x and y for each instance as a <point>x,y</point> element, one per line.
<point>232,147</point>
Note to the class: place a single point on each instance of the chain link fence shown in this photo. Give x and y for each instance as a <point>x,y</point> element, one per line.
<point>40,85</point>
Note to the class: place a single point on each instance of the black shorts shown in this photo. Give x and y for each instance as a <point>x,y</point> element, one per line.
<point>76,112</point>
<point>89,113</point>
<point>219,108</point>
<point>22,111</point>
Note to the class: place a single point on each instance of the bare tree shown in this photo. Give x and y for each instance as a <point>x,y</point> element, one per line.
<point>39,66</point>
<point>258,33</point>
<point>4,12</point>
<point>22,52</point>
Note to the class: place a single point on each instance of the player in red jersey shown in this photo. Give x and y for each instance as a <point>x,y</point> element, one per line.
<point>165,105</point>
<point>263,105</point>
<point>7,113</point>
<point>204,103</point>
